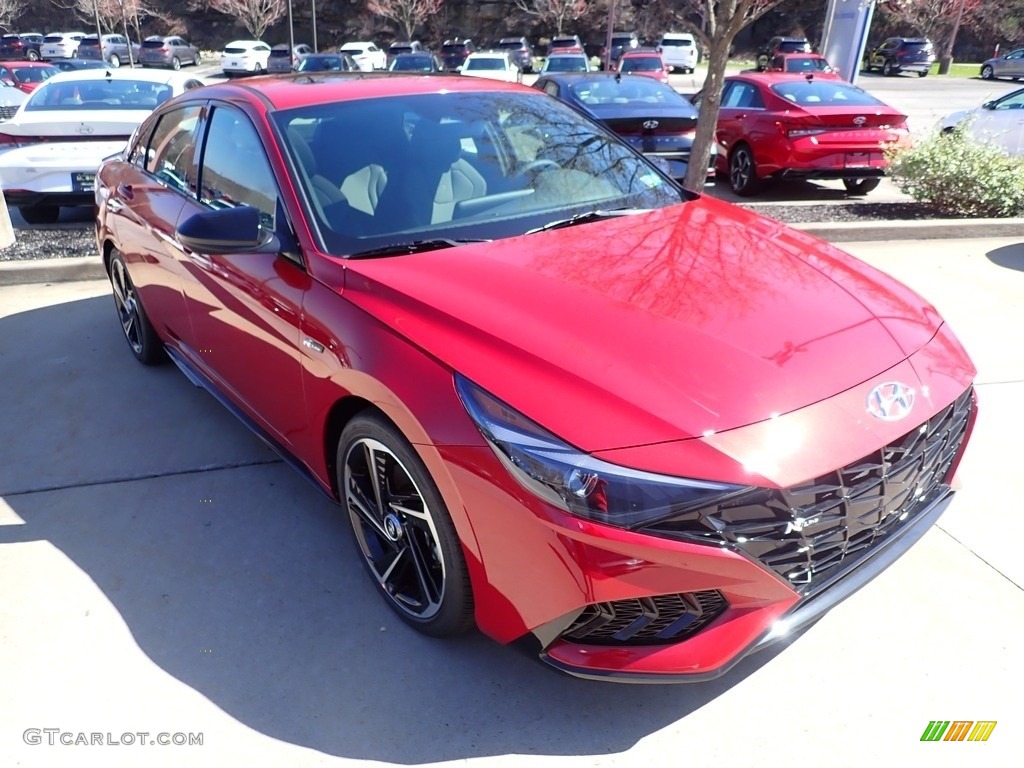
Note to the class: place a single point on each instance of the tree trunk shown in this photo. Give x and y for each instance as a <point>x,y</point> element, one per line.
<point>945,62</point>
<point>700,154</point>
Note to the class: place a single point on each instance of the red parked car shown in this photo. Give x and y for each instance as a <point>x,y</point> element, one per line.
<point>26,75</point>
<point>803,64</point>
<point>647,63</point>
<point>778,126</point>
<point>643,460</point>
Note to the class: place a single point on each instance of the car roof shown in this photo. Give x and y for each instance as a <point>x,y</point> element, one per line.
<point>315,88</point>
<point>640,53</point>
<point>771,78</point>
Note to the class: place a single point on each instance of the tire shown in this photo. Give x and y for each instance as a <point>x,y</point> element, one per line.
<point>987,73</point>
<point>402,529</point>
<point>115,60</point>
<point>860,186</point>
<point>175,63</point>
<point>742,171</point>
<point>762,63</point>
<point>142,340</point>
<point>923,74</point>
<point>32,55</point>
<point>40,214</point>
<point>257,69</point>
<point>197,60</point>
<point>888,70</point>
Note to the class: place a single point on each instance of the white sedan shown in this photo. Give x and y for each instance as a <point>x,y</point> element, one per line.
<point>999,122</point>
<point>494,65</point>
<point>367,55</point>
<point>245,57</point>
<point>51,148</point>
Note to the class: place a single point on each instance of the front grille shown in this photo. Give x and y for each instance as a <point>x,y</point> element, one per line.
<point>812,532</point>
<point>6,113</point>
<point>658,620</point>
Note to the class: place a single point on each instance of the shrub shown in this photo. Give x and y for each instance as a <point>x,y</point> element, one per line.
<point>960,176</point>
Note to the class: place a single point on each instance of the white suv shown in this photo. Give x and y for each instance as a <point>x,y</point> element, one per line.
<point>679,51</point>
<point>367,55</point>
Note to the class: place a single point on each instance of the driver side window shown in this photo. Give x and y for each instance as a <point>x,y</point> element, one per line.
<point>235,168</point>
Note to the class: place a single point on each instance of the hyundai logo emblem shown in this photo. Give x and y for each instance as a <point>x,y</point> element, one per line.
<point>84,129</point>
<point>890,401</point>
<point>650,125</point>
<point>859,120</point>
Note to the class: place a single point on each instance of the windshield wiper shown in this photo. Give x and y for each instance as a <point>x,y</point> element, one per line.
<point>583,218</point>
<point>414,246</point>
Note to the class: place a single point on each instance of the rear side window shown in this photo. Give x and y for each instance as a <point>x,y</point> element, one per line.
<point>171,149</point>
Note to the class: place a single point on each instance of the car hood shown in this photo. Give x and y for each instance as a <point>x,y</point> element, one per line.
<point>650,328</point>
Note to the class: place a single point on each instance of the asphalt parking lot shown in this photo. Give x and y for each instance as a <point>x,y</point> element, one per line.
<point>165,574</point>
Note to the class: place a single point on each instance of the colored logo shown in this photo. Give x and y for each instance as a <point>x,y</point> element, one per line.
<point>958,730</point>
<point>890,401</point>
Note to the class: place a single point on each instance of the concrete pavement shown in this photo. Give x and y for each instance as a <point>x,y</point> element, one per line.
<point>163,572</point>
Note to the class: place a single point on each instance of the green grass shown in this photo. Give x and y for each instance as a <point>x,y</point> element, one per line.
<point>959,69</point>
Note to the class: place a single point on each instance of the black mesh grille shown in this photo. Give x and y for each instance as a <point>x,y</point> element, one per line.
<point>655,620</point>
<point>811,532</point>
<point>6,113</point>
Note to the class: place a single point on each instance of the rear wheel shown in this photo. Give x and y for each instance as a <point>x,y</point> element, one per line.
<point>860,186</point>
<point>987,73</point>
<point>888,70</point>
<point>175,63</point>
<point>197,60</point>
<point>742,171</point>
<point>402,528</point>
<point>40,214</point>
<point>32,55</point>
<point>923,73</point>
<point>258,69</point>
<point>115,60</point>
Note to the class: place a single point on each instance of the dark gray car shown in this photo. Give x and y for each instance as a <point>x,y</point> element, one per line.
<point>171,51</point>
<point>115,49</point>
<point>281,60</point>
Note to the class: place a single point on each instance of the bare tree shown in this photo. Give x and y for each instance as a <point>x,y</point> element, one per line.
<point>556,12</point>
<point>11,10</point>
<point>254,15</point>
<point>719,22</point>
<point>408,14</point>
<point>116,14</point>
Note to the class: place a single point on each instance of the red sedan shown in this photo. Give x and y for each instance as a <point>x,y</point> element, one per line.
<point>641,432</point>
<point>26,75</point>
<point>647,63</point>
<point>778,126</point>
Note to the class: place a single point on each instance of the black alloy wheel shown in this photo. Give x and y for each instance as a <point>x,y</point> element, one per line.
<point>138,332</point>
<point>402,529</point>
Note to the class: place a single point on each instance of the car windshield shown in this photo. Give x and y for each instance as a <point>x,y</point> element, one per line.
<point>99,94</point>
<point>821,93</point>
<point>510,44</point>
<point>628,90</point>
<point>795,46</point>
<point>670,43</point>
<point>322,64</point>
<point>566,64</point>
<point>153,44</point>
<point>33,74</point>
<point>458,166</point>
<point>570,43</point>
<point>412,64</point>
<point>641,64</point>
<point>453,47</point>
<point>807,65</point>
<point>485,64</point>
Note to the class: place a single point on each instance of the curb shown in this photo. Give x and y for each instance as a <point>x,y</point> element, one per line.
<point>91,267</point>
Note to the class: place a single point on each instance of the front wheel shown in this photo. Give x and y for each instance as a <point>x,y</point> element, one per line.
<point>138,332</point>
<point>888,70</point>
<point>742,171</point>
<point>860,186</point>
<point>115,60</point>
<point>923,73</point>
<point>32,55</point>
<point>402,529</point>
<point>40,214</point>
<point>987,72</point>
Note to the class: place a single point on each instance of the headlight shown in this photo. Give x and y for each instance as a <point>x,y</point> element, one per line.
<point>575,481</point>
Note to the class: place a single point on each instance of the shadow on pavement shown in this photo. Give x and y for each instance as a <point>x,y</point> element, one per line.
<point>240,580</point>
<point>1009,256</point>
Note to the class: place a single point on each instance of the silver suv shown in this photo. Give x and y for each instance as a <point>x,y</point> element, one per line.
<point>116,50</point>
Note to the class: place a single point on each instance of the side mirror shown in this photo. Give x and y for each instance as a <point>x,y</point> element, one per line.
<point>227,230</point>
<point>989,105</point>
